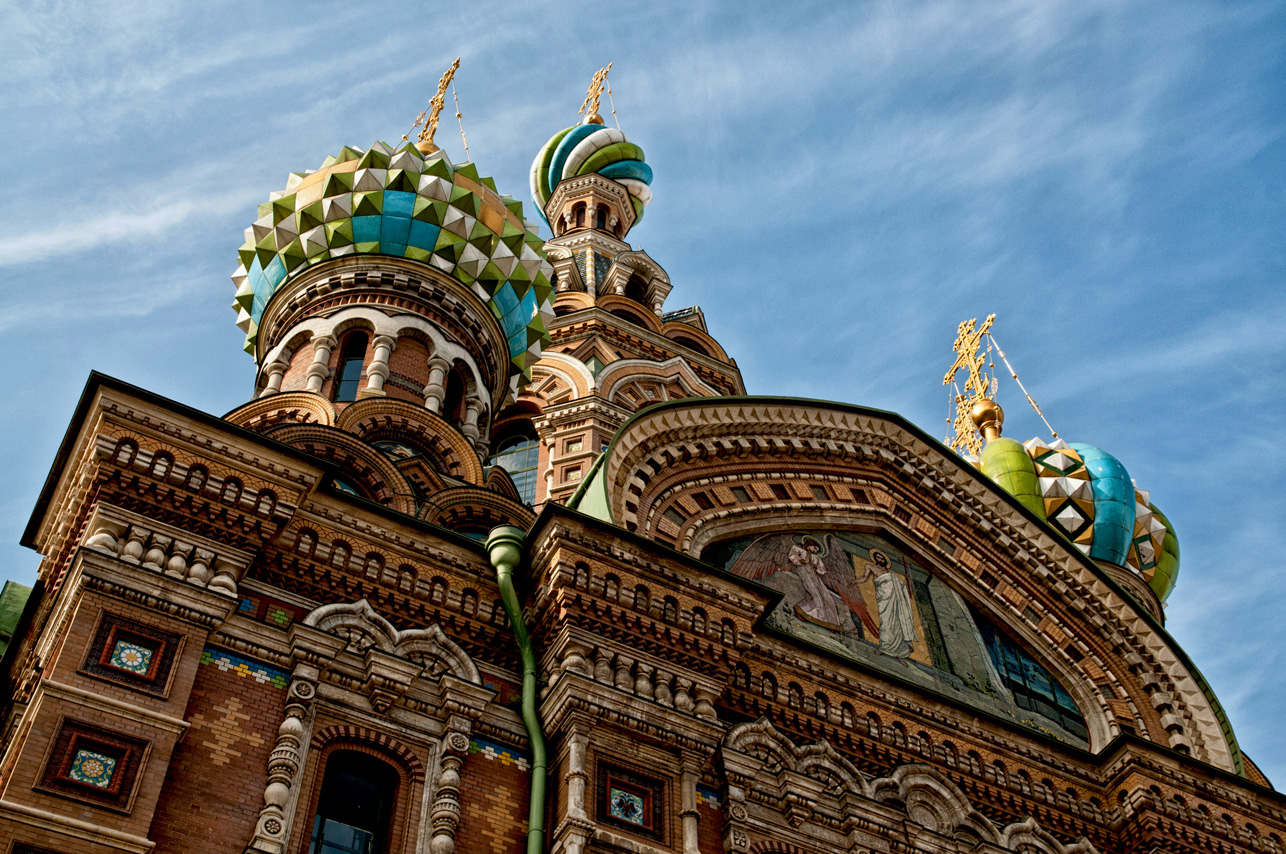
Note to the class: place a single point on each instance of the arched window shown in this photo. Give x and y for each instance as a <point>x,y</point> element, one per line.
<point>636,289</point>
<point>349,374</point>
<point>355,805</point>
<point>453,403</point>
<point>600,216</point>
<point>578,215</point>
<point>519,455</point>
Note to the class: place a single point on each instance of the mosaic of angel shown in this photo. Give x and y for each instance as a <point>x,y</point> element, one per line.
<point>831,596</point>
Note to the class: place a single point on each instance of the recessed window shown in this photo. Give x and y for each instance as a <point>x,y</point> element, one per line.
<point>355,805</point>
<point>574,446</point>
<point>349,374</point>
<point>600,217</point>
<point>629,801</point>
<point>520,456</point>
<point>742,496</point>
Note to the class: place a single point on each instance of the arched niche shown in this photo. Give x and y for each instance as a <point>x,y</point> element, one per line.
<point>864,595</point>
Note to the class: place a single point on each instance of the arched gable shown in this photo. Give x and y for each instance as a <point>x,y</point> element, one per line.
<point>807,462</point>
<point>288,407</point>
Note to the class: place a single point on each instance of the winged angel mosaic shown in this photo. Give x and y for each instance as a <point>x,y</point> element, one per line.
<point>860,596</point>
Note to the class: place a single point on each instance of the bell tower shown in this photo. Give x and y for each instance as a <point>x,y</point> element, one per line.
<point>614,347</point>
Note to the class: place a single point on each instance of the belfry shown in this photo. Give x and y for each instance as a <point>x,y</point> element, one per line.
<point>497,555</point>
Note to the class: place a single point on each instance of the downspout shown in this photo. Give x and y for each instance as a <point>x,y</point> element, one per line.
<point>504,545</point>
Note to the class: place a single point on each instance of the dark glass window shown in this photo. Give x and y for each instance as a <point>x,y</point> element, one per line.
<point>355,805</point>
<point>1033,687</point>
<point>349,375</point>
<point>600,217</point>
<point>519,455</point>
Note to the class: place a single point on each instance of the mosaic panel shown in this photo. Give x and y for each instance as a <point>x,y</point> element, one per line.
<point>630,801</point>
<point>498,753</point>
<point>92,768</point>
<point>230,662</point>
<point>132,654</point>
<point>625,805</point>
<point>865,598</point>
<point>90,763</point>
<point>707,797</point>
<point>132,657</point>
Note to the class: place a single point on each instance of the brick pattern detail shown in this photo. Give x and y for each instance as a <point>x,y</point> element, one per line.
<point>493,815</point>
<point>234,727</point>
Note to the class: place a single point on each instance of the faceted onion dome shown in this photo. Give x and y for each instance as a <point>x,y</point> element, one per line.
<point>1088,495</point>
<point>403,203</point>
<point>587,148</point>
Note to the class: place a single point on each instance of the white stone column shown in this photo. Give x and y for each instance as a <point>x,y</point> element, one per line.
<point>318,372</point>
<point>377,372</point>
<point>435,391</point>
<point>472,407</point>
<point>276,373</point>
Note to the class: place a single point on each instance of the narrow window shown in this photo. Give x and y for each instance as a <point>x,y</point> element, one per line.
<point>519,455</point>
<point>600,217</point>
<point>578,213</point>
<point>349,375</point>
<point>453,405</point>
<point>355,805</point>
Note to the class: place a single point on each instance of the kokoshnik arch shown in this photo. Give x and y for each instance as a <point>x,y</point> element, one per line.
<point>500,555</point>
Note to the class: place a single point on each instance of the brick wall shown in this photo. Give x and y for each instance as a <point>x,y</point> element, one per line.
<point>214,789</point>
<point>495,786</point>
<point>295,378</point>
<point>408,366</point>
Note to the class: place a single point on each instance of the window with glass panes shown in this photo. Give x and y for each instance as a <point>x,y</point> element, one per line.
<point>519,455</point>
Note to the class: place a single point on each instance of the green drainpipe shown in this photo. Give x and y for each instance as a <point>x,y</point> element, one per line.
<point>504,545</point>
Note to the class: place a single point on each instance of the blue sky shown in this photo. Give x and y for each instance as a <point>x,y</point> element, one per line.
<point>838,185</point>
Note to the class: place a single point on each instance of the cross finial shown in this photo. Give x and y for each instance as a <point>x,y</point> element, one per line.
<point>977,385</point>
<point>434,112</point>
<point>589,107</point>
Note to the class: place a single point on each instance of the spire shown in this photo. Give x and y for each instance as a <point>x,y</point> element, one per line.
<point>425,142</point>
<point>589,107</point>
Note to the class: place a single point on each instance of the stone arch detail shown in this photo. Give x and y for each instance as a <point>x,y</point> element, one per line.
<point>287,407</point>
<point>819,760</point>
<point>618,373</point>
<point>382,741</point>
<point>373,417</point>
<point>1028,835</point>
<point>358,460</point>
<point>933,801</point>
<point>364,629</point>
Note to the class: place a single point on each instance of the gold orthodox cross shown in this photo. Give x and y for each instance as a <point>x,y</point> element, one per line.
<point>969,358</point>
<point>589,107</point>
<point>434,112</point>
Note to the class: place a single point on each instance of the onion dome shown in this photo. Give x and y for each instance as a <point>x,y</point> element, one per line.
<point>1087,495</point>
<point>407,204</point>
<point>591,147</point>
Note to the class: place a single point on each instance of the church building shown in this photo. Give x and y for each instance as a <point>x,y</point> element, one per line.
<point>498,556</point>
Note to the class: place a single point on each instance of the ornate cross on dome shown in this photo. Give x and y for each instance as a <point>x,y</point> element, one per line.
<point>434,112</point>
<point>969,358</point>
<point>589,107</point>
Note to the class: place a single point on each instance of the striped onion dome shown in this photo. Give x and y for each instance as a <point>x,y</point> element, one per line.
<point>586,148</point>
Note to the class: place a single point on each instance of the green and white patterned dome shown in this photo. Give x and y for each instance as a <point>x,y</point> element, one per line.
<point>400,202</point>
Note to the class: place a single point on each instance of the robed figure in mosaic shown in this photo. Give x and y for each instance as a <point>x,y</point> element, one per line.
<point>893,602</point>
<point>831,595</point>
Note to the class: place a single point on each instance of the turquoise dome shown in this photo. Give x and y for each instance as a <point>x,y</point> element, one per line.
<point>1087,495</point>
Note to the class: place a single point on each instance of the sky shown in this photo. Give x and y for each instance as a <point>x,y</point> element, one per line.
<point>838,185</point>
